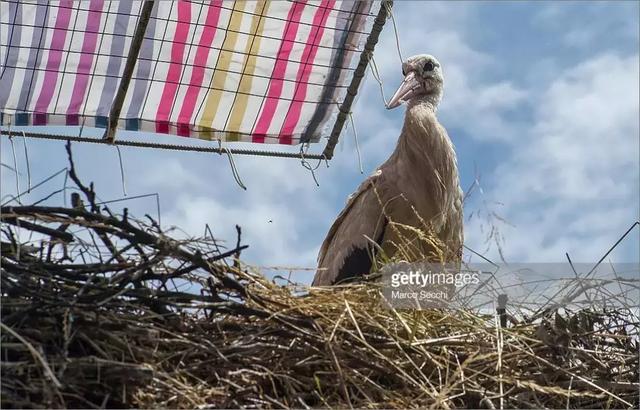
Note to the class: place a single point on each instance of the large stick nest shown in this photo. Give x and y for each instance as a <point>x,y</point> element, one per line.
<point>102,310</point>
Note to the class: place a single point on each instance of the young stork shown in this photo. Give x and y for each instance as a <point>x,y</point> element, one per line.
<point>417,187</point>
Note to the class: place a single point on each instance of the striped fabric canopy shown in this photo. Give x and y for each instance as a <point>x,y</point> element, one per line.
<point>258,71</point>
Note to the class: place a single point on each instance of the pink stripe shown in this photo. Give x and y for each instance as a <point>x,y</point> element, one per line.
<point>275,84</point>
<point>197,75</point>
<point>304,71</point>
<point>173,76</point>
<point>86,59</point>
<point>55,56</point>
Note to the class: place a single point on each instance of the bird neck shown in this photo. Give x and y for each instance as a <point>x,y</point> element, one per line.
<point>423,140</point>
<point>428,101</point>
<point>425,148</point>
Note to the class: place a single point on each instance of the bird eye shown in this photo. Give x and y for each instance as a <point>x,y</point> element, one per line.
<point>428,66</point>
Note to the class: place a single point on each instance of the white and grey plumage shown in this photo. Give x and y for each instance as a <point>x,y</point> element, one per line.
<point>418,186</point>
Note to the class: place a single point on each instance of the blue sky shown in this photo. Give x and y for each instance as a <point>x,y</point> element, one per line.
<point>541,102</point>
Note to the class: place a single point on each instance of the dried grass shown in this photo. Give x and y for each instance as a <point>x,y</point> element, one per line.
<point>102,310</point>
<point>115,332</point>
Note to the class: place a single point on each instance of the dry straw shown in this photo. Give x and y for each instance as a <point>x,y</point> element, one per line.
<point>104,310</point>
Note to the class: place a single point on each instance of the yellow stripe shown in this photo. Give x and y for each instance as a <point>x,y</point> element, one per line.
<point>222,67</point>
<point>251,51</point>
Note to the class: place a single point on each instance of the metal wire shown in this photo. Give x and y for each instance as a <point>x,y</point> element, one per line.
<point>174,147</point>
<point>122,178</point>
<point>15,166</point>
<point>232,164</point>
<point>355,137</point>
<point>26,157</point>
<point>12,197</point>
<point>376,76</point>
<point>307,165</point>
<point>395,30</point>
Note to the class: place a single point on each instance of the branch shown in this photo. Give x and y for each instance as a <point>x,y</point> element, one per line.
<point>88,192</point>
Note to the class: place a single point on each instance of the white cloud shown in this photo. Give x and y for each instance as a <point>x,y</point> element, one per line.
<point>268,228</point>
<point>572,181</point>
<point>170,174</point>
<point>606,20</point>
<point>585,133</point>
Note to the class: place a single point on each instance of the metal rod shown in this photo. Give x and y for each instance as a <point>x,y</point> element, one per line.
<point>352,91</point>
<point>132,58</point>
<point>175,147</point>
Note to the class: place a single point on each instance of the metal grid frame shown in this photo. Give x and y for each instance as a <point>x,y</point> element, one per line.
<point>109,137</point>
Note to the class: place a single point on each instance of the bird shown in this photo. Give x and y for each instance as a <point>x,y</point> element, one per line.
<point>416,190</point>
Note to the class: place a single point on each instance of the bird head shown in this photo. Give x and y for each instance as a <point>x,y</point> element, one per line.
<point>422,81</point>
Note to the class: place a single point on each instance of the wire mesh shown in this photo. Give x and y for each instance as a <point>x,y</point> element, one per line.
<point>261,72</point>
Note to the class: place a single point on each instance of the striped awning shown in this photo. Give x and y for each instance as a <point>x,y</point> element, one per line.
<point>263,71</point>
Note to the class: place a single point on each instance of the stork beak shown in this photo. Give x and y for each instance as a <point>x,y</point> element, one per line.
<point>407,90</point>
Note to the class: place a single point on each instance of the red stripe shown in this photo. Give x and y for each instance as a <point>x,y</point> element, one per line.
<point>173,75</point>
<point>197,75</point>
<point>304,71</point>
<point>86,60</point>
<point>275,84</point>
<point>55,56</point>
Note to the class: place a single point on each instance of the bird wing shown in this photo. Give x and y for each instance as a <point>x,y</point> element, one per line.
<point>346,251</point>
